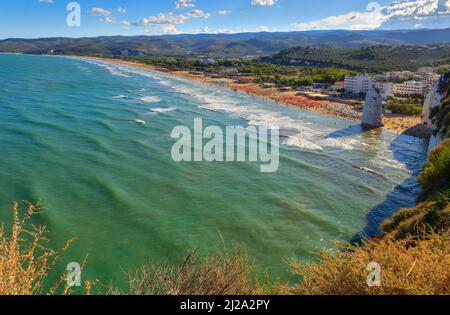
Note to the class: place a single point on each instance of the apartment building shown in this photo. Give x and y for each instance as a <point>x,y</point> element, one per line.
<point>362,82</point>
<point>409,88</point>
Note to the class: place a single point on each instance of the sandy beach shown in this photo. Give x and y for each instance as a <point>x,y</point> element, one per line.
<point>394,122</point>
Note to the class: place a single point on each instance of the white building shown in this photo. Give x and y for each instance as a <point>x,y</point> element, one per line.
<point>385,88</point>
<point>356,84</point>
<point>410,88</point>
<point>362,82</point>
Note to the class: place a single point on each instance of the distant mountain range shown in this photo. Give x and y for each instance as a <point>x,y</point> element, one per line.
<point>223,45</point>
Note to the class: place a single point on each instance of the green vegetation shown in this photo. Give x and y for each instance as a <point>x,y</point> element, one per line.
<point>371,59</point>
<point>307,76</point>
<point>409,106</point>
<point>436,174</point>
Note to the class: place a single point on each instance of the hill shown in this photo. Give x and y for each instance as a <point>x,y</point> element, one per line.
<point>372,59</point>
<point>223,45</point>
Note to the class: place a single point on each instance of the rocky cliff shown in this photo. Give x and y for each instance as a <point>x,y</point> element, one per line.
<point>436,111</point>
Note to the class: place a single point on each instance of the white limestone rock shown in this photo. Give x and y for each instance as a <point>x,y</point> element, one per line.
<point>373,110</point>
<point>432,100</point>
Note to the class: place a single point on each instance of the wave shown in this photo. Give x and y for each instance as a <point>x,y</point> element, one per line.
<point>300,142</point>
<point>140,122</point>
<point>119,97</point>
<point>150,99</point>
<point>163,110</point>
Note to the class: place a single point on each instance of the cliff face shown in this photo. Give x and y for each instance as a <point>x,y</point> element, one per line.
<point>373,110</point>
<point>436,111</point>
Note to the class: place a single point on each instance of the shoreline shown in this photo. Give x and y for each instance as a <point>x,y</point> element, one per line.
<point>399,124</point>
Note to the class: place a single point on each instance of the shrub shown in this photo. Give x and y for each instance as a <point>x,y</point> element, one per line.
<point>25,258</point>
<point>432,216</point>
<point>227,274</point>
<point>416,267</point>
<point>436,174</point>
<point>405,109</point>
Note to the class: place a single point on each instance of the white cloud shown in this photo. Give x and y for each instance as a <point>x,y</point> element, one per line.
<point>100,12</point>
<point>46,1</point>
<point>225,31</point>
<point>168,28</point>
<point>171,18</point>
<point>223,12</point>
<point>264,3</point>
<point>108,19</point>
<point>184,4</point>
<point>376,16</point>
<point>263,29</point>
<point>121,10</point>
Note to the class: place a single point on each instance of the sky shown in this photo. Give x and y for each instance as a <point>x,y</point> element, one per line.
<point>54,18</point>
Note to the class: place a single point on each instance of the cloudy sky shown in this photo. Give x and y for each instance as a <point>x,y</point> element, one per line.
<point>47,18</point>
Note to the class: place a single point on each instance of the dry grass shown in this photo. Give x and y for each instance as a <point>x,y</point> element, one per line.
<point>25,258</point>
<point>227,274</point>
<point>416,267</point>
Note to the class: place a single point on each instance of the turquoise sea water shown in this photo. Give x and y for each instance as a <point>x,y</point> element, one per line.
<point>68,135</point>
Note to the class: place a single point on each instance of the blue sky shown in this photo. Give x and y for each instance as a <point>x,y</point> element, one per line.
<point>47,18</point>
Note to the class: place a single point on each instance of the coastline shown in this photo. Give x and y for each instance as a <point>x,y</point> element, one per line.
<point>399,124</point>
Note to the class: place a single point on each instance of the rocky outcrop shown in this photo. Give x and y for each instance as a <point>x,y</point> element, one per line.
<point>436,111</point>
<point>373,109</point>
<point>432,101</point>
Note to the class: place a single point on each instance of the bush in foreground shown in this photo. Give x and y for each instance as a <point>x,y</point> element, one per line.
<point>26,259</point>
<point>226,274</point>
<point>408,267</point>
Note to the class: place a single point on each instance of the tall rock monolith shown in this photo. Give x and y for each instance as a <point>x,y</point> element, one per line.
<point>373,110</point>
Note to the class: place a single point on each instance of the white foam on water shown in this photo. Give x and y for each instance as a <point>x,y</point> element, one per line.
<point>335,143</point>
<point>299,141</point>
<point>150,99</point>
<point>119,97</point>
<point>163,110</point>
<point>140,122</point>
